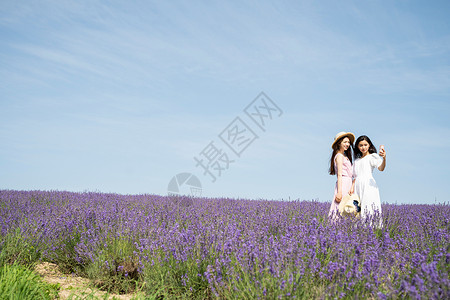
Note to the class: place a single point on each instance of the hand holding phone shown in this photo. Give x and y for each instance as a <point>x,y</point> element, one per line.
<point>382,151</point>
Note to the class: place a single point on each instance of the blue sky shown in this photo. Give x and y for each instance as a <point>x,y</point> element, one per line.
<point>120,96</point>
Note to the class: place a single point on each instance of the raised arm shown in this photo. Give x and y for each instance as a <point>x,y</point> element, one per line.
<point>383,164</point>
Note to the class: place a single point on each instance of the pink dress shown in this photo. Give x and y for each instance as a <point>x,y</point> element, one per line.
<point>347,173</point>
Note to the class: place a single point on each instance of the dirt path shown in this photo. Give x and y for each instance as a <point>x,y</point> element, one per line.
<point>73,285</point>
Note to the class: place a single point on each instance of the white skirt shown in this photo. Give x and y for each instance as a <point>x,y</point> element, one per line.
<point>368,193</point>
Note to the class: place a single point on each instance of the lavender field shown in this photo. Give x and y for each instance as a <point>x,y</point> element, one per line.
<point>225,248</point>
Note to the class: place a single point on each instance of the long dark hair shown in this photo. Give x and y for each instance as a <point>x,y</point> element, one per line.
<point>336,147</point>
<point>372,148</point>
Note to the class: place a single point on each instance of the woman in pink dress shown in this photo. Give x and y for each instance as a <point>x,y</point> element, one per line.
<point>341,165</point>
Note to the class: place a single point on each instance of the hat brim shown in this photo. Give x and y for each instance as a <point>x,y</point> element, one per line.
<point>347,200</point>
<point>350,135</point>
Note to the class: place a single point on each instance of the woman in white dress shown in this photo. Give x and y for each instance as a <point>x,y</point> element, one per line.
<point>366,160</point>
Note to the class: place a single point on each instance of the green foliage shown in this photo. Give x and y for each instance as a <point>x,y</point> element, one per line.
<point>19,282</point>
<point>168,278</point>
<point>15,248</point>
<point>116,267</point>
<point>64,256</point>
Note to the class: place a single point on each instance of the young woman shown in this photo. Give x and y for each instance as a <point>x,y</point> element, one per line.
<point>341,166</point>
<point>366,160</point>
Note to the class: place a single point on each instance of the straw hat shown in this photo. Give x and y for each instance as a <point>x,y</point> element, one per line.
<point>341,134</point>
<point>350,205</point>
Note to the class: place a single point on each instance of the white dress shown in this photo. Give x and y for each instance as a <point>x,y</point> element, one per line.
<point>366,186</point>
